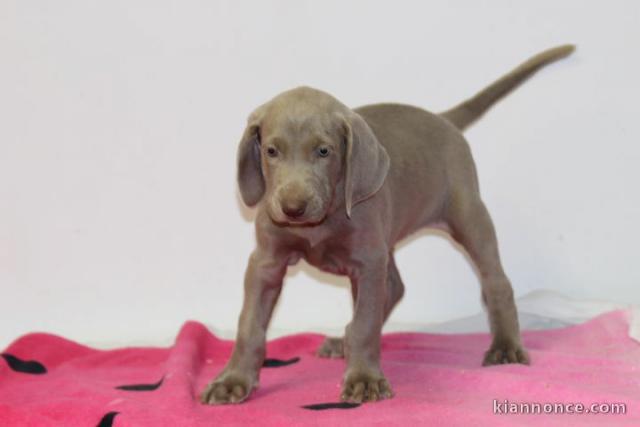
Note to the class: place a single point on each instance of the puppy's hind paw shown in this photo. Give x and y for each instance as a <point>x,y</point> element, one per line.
<point>331,348</point>
<point>500,354</point>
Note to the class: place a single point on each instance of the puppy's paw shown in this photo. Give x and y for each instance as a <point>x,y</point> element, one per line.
<point>361,387</point>
<point>505,352</point>
<point>332,348</point>
<point>227,388</point>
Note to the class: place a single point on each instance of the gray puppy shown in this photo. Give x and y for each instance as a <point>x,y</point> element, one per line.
<point>339,188</point>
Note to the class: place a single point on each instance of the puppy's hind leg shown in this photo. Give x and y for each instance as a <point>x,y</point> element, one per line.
<point>333,347</point>
<point>472,227</point>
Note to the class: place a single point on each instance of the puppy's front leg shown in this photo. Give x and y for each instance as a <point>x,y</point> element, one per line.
<point>363,379</point>
<point>262,285</point>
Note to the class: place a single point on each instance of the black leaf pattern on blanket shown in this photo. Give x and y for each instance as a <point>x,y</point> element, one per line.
<point>278,363</point>
<point>107,420</point>
<point>24,366</point>
<point>141,387</point>
<point>331,405</point>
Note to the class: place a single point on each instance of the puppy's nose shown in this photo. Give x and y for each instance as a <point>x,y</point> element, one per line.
<point>294,208</point>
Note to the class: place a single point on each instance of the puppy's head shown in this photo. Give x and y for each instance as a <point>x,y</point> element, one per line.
<point>303,148</point>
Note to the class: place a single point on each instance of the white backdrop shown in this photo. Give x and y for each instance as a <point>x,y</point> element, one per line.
<point>119,214</point>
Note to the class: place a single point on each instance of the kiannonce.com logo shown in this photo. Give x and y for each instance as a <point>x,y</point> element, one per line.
<point>506,407</point>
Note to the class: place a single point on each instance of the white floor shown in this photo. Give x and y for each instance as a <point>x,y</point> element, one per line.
<point>540,309</point>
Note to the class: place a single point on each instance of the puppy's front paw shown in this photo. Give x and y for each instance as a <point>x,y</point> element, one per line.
<point>227,388</point>
<point>361,387</point>
<point>331,348</point>
<point>502,352</point>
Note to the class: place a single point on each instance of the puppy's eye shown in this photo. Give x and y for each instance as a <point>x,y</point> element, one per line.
<point>323,151</point>
<point>272,152</point>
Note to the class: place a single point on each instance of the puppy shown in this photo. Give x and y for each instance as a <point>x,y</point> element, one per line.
<point>339,188</point>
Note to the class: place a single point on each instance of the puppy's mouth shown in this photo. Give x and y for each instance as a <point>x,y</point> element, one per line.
<point>307,219</point>
<point>296,213</point>
<point>298,222</point>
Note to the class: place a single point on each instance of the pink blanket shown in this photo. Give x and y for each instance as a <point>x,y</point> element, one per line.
<point>47,380</point>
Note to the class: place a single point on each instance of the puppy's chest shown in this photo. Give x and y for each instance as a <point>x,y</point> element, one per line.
<point>330,258</point>
<point>324,251</point>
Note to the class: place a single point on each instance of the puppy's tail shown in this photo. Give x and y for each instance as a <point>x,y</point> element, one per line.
<point>463,115</point>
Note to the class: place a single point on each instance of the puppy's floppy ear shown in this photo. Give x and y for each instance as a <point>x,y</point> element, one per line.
<point>250,179</point>
<point>366,161</point>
